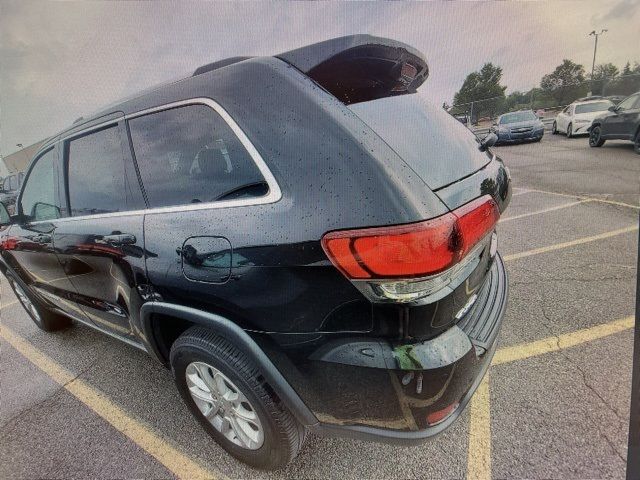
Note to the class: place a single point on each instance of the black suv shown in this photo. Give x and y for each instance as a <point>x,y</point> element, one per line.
<point>621,122</point>
<point>306,243</point>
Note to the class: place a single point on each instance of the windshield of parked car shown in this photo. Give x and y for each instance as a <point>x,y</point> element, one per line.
<point>517,117</point>
<point>593,107</point>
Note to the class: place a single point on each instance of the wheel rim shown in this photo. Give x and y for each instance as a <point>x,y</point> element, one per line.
<point>25,301</point>
<point>223,404</point>
<point>594,137</point>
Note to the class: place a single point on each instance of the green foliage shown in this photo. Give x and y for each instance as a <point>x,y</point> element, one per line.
<point>566,83</point>
<point>484,89</point>
<point>626,83</point>
<point>602,75</point>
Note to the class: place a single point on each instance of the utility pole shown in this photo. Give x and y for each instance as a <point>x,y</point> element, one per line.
<point>595,49</point>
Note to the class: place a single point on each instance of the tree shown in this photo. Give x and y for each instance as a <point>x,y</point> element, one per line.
<point>602,75</point>
<point>483,89</point>
<point>565,83</point>
<point>626,83</point>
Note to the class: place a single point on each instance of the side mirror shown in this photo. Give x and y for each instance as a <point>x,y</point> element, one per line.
<point>45,211</point>
<point>488,141</point>
<point>5,218</point>
<point>613,108</point>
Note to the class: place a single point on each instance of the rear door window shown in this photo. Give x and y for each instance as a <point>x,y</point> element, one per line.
<point>96,174</point>
<point>190,155</point>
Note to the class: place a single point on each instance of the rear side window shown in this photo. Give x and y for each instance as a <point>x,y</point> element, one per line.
<point>96,176</point>
<point>39,197</point>
<point>190,155</point>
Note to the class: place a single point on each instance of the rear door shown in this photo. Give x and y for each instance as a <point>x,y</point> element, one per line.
<point>101,244</point>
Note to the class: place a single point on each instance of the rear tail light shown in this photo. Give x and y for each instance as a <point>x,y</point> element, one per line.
<point>412,252</point>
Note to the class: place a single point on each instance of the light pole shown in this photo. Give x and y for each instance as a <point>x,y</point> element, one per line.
<point>595,49</point>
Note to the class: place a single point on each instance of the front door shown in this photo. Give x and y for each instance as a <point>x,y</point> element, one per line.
<point>619,125</point>
<point>100,245</point>
<point>28,245</point>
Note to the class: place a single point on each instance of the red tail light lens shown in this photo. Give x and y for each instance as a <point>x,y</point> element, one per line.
<point>415,250</point>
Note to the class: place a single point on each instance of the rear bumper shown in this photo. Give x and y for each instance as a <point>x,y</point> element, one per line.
<point>480,327</point>
<point>391,397</point>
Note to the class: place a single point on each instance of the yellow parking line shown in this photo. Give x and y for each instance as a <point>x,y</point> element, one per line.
<point>174,460</point>
<point>12,302</point>
<point>538,212</point>
<point>583,197</point>
<point>566,340</point>
<point>559,246</point>
<point>479,452</point>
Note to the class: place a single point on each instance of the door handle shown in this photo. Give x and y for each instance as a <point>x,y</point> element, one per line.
<point>117,239</point>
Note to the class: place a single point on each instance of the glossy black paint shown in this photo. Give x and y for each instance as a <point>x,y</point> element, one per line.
<point>262,268</point>
<point>620,123</point>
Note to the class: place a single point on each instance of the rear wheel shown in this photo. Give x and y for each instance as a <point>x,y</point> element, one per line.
<point>595,137</point>
<point>554,128</point>
<point>636,143</point>
<point>569,131</point>
<point>41,316</point>
<point>230,398</point>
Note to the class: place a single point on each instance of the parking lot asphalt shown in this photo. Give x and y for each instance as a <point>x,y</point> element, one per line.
<point>554,405</point>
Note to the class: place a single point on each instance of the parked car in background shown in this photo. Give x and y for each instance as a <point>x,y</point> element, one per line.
<point>363,302</point>
<point>9,190</point>
<point>616,99</point>
<point>519,126</point>
<point>576,118</point>
<point>620,122</point>
<point>463,119</point>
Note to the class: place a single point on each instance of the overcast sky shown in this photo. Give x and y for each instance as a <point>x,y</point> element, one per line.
<point>59,61</point>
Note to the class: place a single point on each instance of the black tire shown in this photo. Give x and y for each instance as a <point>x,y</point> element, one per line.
<point>569,131</point>
<point>44,318</point>
<point>554,128</point>
<point>283,435</point>
<point>595,137</point>
<point>636,143</point>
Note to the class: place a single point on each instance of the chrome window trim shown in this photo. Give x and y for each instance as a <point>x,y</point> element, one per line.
<point>274,195</point>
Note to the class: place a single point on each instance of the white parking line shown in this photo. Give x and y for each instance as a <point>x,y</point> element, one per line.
<point>538,212</point>
<point>580,197</point>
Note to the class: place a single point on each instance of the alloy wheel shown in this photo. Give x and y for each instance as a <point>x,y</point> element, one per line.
<point>25,301</point>
<point>224,405</point>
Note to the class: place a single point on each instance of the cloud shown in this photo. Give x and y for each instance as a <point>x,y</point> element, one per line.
<point>65,60</point>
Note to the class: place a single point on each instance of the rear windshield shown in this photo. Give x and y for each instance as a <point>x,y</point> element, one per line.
<point>593,107</point>
<point>435,145</point>
<point>517,117</point>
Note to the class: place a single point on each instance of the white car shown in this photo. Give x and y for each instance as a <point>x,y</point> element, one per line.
<point>577,117</point>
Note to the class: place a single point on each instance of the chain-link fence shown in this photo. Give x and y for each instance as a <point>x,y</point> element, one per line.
<point>479,114</point>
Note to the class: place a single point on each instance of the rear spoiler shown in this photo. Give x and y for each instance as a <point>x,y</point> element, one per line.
<point>359,68</point>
